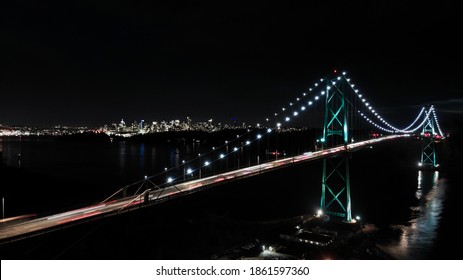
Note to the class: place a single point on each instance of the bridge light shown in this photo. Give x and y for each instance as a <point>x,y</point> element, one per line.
<point>266,119</point>
<point>356,90</point>
<point>287,119</point>
<point>235,149</point>
<point>283,109</point>
<point>310,89</point>
<point>333,82</point>
<point>304,94</point>
<point>367,104</point>
<point>259,136</point>
<point>269,130</point>
<point>364,100</point>
<point>297,99</point>
<point>316,84</point>
<point>360,95</point>
<point>302,108</point>
<point>169,180</point>
<point>295,113</point>
<point>322,140</point>
<point>352,85</point>
<point>206,163</point>
<point>278,124</point>
<point>316,97</point>
<point>222,155</point>
<point>146,177</point>
<point>310,103</point>
<point>339,78</point>
<point>248,142</point>
<point>348,80</point>
<point>323,92</point>
<point>276,114</point>
<point>189,171</point>
<point>344,73</point>
<point>290,104</point>
<point>319,213</point>
<point>420,164</point>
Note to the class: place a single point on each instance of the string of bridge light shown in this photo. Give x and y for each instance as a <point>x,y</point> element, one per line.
<point>303,107</point>
<point>378,116</point>
<point>402,131</point>
<point>437,121</point>
<point>405,130</point>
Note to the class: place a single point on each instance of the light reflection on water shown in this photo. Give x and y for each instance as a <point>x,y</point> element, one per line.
<point>417,239</point>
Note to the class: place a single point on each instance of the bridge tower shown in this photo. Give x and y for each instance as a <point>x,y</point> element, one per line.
<point>335,196</point>
<point>428,138</point>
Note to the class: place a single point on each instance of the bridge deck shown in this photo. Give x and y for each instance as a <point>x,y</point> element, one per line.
<point>40,225</point>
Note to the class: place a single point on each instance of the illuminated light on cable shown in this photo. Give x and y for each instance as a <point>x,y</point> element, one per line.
<point>169,180</point>
<point>339,78</point>
<point>304,94</point>
<point>287,119</point>
<point>222,155</point>
<point>352,85</point>
<point>269,130</point>
<point>321,80</point>
<point>356,90</point>
<point>276,114</point>
<point>290,104</point>
<point>344,73</point>
<point>302,108</point>
<point>297,99</point>
<point>310,89</point>
<point>235,149</point>
<point>322,93</point>
<point>333,82</point>
<point>278,124</point>
<point>283,109</point>
<point>360,95</point>
<point>316,84</point>
<point>348,80</point>
<point>328,87</point>
<point>364,100</point>
<point>316,97</point>
<point>266,119</point>
<point>259,136</point>
<point>310,103</point>
<point>295,113</point>
<point>206,163</point>
<point>367,104</point>
<point>372,111</point>
<point>369,107</point>
<point>248,142</point>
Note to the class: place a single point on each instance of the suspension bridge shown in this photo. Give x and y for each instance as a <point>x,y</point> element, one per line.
<point>346,115</point>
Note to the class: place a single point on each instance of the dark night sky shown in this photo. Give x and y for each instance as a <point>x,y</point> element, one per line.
<point>95,62</point>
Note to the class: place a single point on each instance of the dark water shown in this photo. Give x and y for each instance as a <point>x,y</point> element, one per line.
<point>415,211</point>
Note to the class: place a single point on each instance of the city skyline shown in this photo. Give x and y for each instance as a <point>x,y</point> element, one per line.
<point>88,64</point>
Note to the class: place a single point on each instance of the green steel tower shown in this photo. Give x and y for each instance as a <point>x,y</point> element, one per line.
<point>335,196</point>
<point>428,152</point>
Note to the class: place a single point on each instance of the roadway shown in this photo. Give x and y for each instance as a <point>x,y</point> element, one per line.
<point>38,225</point>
